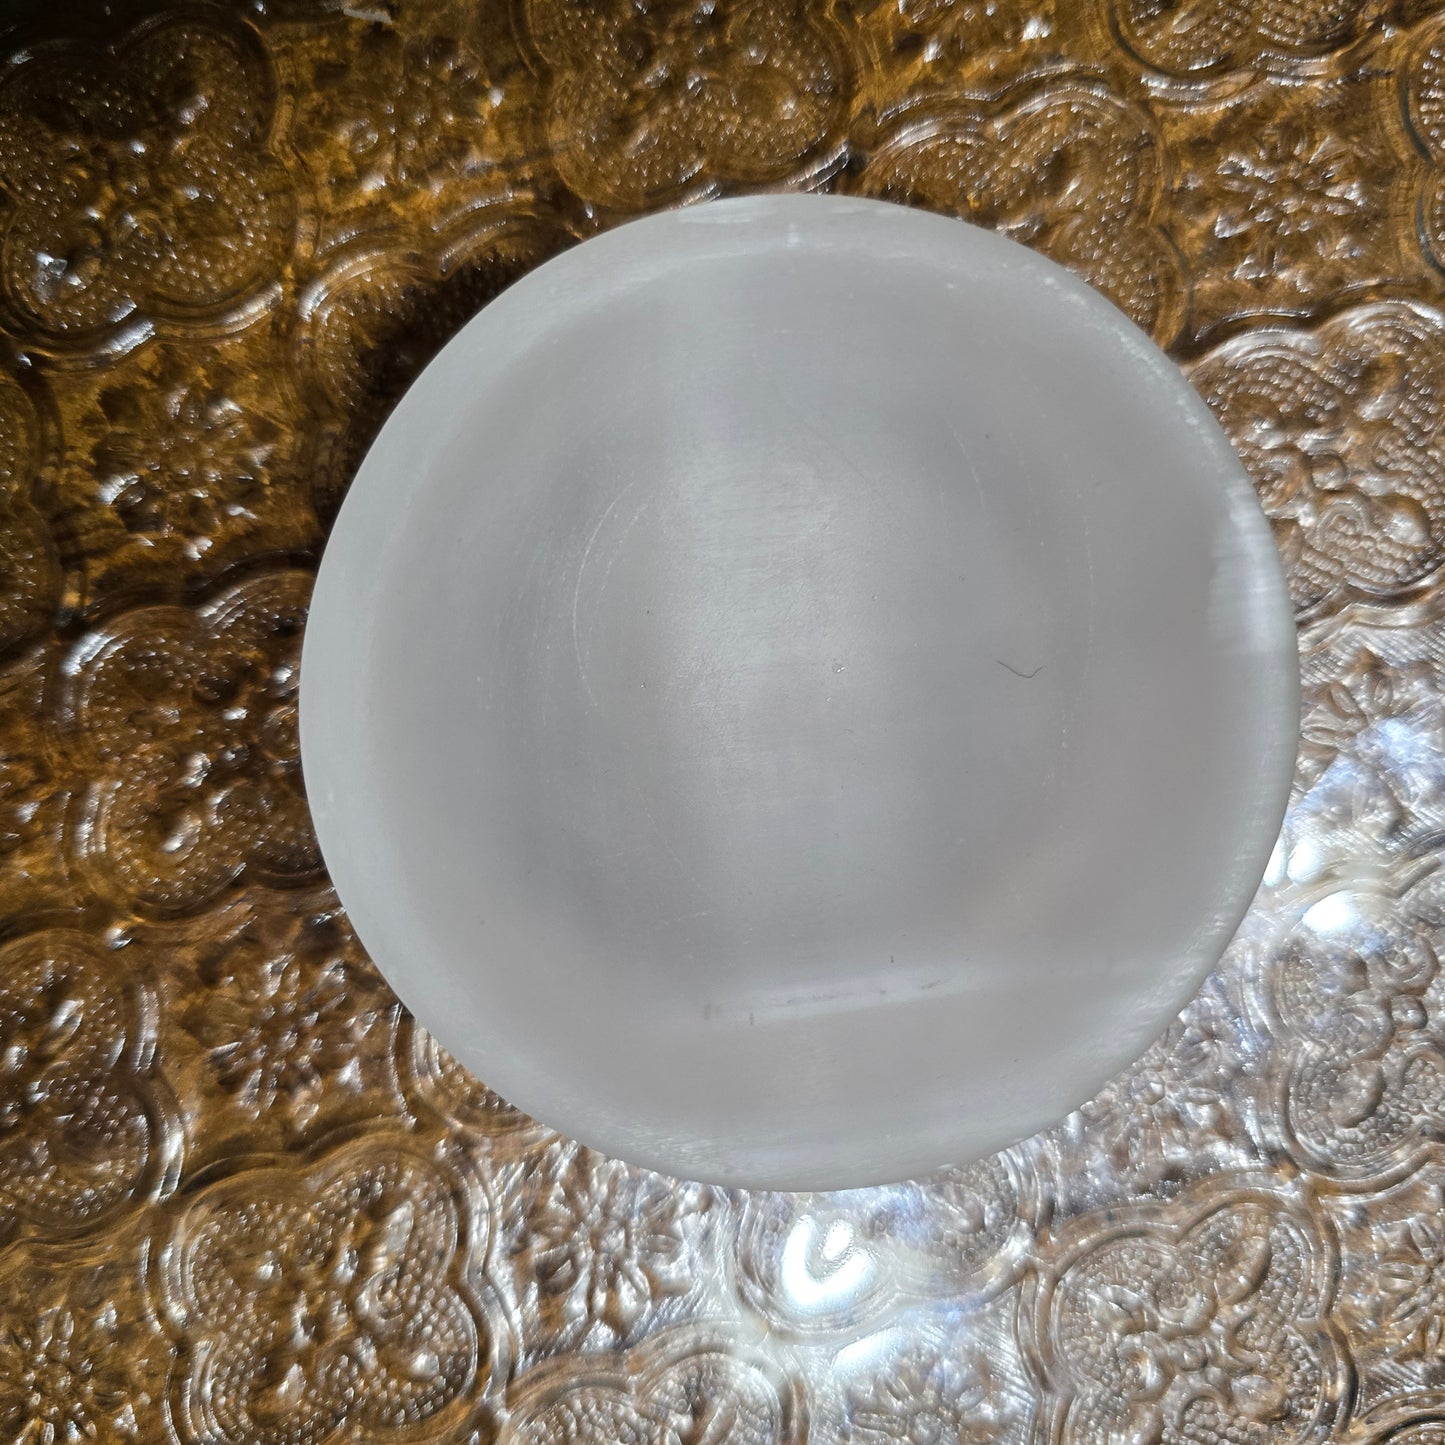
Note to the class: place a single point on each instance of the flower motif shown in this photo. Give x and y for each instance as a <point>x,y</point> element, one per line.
<point>186,720</point>
<point>404,113</point>
<point>652,98</point>
<point>676,1388</point>
<point>1369,789</point>
<point>1175,1113</point>
<point>1411,1275</point>
<point>77,1361</point>
<point>1360,997</point>
<point>1339,428</point>
<point>293,1019</point>
<point>1210,1327</point>
<point>180,458</point>
<point>50,1388</point>
<point>607,1245</point>
<point>933,45</point>
<point>83,1131</point>
<point>289,1046</point>
<point>1071,170</point>
<point>1279,194</point>
<point>325,1304</point>
<point>1359,700</point>
<point>1279,211</point>
<point>1392,1292</point>
<point>140,182</point>
<point>928,1399</point>
<point>183,465</point>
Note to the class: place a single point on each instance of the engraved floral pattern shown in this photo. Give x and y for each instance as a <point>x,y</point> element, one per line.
<point>237,1185</point>
<point>1287,187</point>
<point>187,466</point>
<point>1180,1112</point>
<point>1412,1278</point>
<point>212,467</point>
<point>1070,169</point>
<point>281,1050</point>
<point>1339,429</point>
<point>1202,1327</point>
<point>932,1399</point>
<point>79,1358</point>
<point>652,98</point>
<point>435,89</point>
<point>140,182</point>
<point>1278,207</point>
<point>189,722</point>
<point>924,47</point>
<point>1369,785</point>
<point>324,1304</point>
<point>85,1133</point>
<point>394,121</point>
<point>695,1391</point>
<point>292,1026</point>
<point>1392,1290</point>
<point>1354,704</point>
<point>1358,991</point>
<point>609,1248</point>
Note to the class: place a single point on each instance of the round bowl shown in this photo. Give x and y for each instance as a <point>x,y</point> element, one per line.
<point>800,693</point>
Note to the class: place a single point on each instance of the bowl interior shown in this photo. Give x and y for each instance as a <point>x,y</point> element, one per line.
<point>799,693</point>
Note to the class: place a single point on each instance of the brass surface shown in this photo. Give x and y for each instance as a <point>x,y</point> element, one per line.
<point>243,1199</point>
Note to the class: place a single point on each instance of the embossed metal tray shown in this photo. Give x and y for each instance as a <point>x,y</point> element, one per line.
<point>242,1197</point>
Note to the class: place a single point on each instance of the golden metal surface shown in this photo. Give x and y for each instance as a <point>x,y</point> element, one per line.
<point>243,1199</point>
